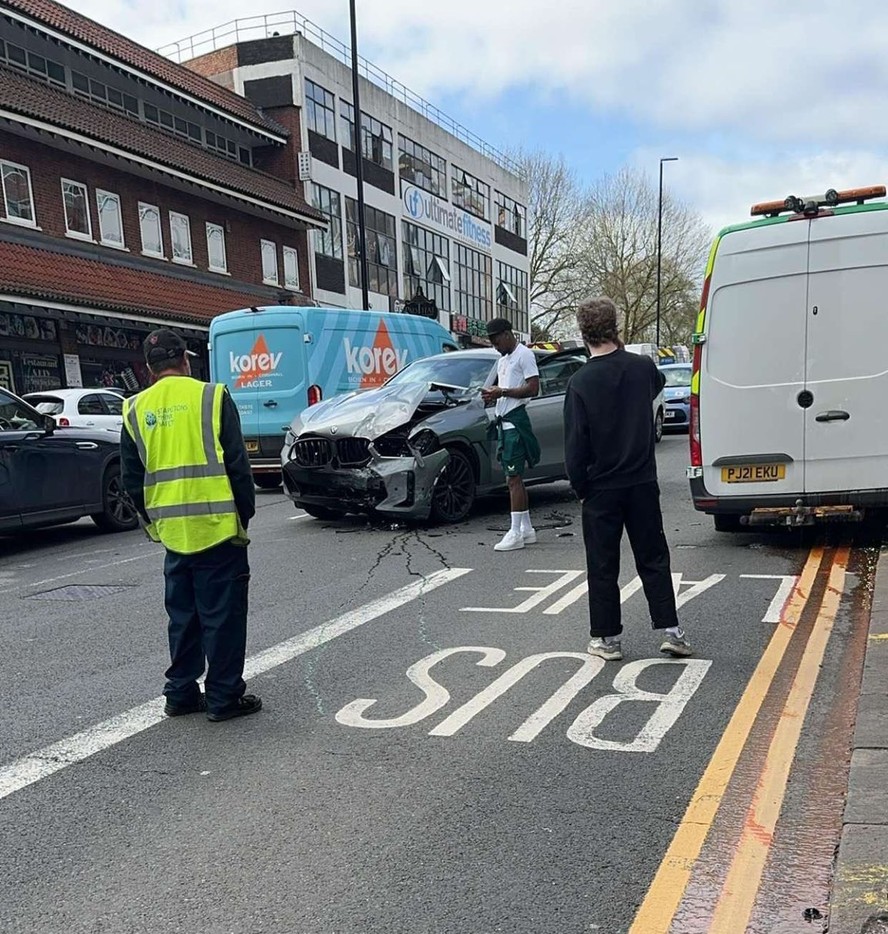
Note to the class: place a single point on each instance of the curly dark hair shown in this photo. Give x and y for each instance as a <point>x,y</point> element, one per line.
<point>597,321</point>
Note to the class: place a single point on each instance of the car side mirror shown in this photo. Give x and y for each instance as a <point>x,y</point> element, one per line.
<point>49,424</point>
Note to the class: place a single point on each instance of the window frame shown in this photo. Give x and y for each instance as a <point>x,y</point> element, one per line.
<point>145,252</point>
<point>263,243</point>
<point>381,229</point>
<point>102,193</point>
<point>291,251</point>
<point>422,248</point>
<point>511,209</point>
<point>20,221</point>
<point>328,108</point>
<point>463,185</point>
<point>473,292</point>
<point>84,189</point>
<point>179,216</point>
<point>514,282</point>
<point>333,234</point>
<point>212,228</point>
<point>409,153</point>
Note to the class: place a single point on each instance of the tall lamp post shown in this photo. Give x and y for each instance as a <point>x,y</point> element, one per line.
<point>660,239</point>
<point>359,159</point>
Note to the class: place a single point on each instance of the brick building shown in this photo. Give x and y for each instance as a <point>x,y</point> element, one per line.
<point>133,193</point>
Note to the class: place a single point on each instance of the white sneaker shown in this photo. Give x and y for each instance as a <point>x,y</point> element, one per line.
<point>529,536</point>
<point>512,541</point>
<point>611,650</point>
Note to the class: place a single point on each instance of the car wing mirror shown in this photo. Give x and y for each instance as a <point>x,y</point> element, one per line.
<point>49,424</point>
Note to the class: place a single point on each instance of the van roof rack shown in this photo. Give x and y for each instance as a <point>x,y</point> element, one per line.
<point>811,204</point>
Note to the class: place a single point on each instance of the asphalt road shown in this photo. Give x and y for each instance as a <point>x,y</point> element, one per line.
<point>436,754</point>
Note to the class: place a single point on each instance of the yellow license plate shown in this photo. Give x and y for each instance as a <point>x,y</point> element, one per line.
<point>252,447</point>
<point>754,473</point>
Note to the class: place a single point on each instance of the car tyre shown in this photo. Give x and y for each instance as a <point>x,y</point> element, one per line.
<point>658,426</point>
<point>727,523</point>
<point>118,513</point>
<point>267,481</point>
<point>454,493</point>
<point>323,512</point>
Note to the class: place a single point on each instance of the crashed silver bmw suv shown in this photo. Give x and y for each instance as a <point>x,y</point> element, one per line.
<point>420,446</point>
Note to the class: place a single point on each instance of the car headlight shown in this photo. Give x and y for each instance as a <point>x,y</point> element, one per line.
<point>425,442</point>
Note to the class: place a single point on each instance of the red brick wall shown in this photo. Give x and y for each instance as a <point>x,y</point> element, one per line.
<point>216,65</point>
<point>242,231</point>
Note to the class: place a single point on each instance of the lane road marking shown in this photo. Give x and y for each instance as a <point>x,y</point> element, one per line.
<point>668,887</point>
<point>45,762</point>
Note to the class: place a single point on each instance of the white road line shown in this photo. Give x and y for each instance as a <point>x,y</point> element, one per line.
<point>45,762</point>
<point>26,585</point>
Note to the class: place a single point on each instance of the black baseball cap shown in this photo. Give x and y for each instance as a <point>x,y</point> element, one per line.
<point>162,345</point>
<point>498,326</point>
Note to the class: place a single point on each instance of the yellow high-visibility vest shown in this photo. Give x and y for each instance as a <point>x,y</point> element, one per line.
<point>176,425</point>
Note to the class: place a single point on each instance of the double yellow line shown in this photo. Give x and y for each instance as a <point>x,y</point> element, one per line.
<point>735,904</point>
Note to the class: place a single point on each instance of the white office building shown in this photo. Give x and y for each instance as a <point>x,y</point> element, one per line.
<point>445,215</point>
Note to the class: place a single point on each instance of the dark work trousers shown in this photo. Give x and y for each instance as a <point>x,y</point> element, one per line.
<point>206,599</point>
<point>605,514</point>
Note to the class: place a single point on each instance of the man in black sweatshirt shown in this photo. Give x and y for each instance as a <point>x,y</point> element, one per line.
<point>609,454</point>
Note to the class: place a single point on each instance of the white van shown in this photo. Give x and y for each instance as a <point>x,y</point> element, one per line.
<point>789,395</point>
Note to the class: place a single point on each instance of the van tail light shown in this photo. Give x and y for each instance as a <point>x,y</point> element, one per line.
<point>315,394</point>
<point>63,422</point>
<point>694,426</point>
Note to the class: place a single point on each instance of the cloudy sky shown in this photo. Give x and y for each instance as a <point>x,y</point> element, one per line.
<point>758,98</point>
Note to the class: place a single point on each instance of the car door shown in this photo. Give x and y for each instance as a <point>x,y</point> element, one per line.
<point>546,412</point>
<point>113,417</point>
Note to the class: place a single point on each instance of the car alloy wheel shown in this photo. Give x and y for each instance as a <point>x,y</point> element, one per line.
<point>454,489</point>
<point>118,513</point>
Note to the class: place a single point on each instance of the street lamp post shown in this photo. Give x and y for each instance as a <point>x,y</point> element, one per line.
<point>359,160</point>
<point>660,239</point>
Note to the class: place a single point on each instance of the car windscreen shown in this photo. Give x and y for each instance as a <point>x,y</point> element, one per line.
<point>47,405</point>
<point>469,373</point>
<point>680,376</point>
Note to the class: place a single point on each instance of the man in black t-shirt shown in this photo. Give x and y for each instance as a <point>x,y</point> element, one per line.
<point>609,454</point>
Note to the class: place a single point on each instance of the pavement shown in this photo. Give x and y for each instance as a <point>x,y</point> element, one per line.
<point>859,903</point>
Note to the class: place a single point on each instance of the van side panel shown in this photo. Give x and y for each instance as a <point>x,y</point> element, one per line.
<point>753,361</point>
<point>847,367</point>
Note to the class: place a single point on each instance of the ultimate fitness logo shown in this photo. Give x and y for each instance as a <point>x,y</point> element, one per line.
<point>426,208</point>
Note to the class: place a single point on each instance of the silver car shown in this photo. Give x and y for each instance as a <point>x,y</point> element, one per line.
<point>423,444</point>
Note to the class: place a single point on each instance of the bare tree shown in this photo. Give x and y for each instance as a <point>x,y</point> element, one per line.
<point>619,256</point>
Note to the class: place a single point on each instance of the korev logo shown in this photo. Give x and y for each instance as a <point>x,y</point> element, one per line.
<point>256,369</point>
<point>372,366</point>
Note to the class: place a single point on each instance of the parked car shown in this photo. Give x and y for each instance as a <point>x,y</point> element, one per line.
<point>50,474</point>
<point>80,408</point>
<point>677,395</point>
<point>421,445</point>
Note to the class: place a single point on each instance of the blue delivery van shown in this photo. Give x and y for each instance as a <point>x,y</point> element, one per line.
<point>278,360</point>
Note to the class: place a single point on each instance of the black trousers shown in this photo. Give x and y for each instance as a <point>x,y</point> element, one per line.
<point>605,514</point>
<point>206,599</point>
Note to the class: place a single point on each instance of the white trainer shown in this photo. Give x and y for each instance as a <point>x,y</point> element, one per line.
<point>529,536</point>
<point>512,541</point>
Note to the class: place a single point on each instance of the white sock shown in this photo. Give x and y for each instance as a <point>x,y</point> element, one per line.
<point>516,521</point>
<point>525,521</point>
<point>675,631</point>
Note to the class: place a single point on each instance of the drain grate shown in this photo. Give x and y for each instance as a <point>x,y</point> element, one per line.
<point>76,592</point>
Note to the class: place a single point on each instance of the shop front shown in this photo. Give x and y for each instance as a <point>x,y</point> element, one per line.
<point>43,348</point>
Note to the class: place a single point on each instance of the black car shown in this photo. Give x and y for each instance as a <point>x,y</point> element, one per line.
<point>50,475</point>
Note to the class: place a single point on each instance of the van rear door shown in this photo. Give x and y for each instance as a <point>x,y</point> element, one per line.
<point>847,366</point>
<point>752,428</point>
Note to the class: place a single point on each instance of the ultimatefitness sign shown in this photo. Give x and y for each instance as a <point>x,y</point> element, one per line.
<point>426,209</point>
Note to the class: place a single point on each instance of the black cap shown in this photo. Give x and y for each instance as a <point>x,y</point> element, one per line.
<point>163,345</point>
<point>498,326</point>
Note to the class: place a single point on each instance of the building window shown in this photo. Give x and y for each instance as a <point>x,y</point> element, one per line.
<point>376,137</point>
<point>35,65</point>
<point>75,199</point>
<point>473,284</point>
<point>291,269</point>
<point>426,264</point>
<point>422,167</point>
<point>100,93</point>
<point>216,248</point>
<point>180,237</point>
<point>321,110</point>
<point>18,194</point>
<point>110,218</point>
<point>149,226</point>
<point>382,249</point>
<point>347,124</point>
<point>328,242</point>
<point>511,296</point>
<point>511,216</point>
<point>470,193</point>
<point>269,263</point>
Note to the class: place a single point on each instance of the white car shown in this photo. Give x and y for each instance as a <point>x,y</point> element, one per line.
<point>80,408</point>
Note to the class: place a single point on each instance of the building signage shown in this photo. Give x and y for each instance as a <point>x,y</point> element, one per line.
<point>73,374</point>
<point>40,372</point>
<point>423,208</point>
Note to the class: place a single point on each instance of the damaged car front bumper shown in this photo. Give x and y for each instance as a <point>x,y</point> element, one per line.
<point>347,477</point>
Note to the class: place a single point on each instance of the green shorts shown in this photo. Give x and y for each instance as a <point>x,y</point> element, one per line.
<point>513,455</point>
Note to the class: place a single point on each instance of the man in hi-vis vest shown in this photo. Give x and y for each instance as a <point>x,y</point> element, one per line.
<point>186,468</point>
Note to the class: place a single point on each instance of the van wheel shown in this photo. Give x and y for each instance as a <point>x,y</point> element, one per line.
<point>454,492</point>
<point>267,481</point>
<point>658,427</point>
<point>724,523</point>
<point>118,513</point>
